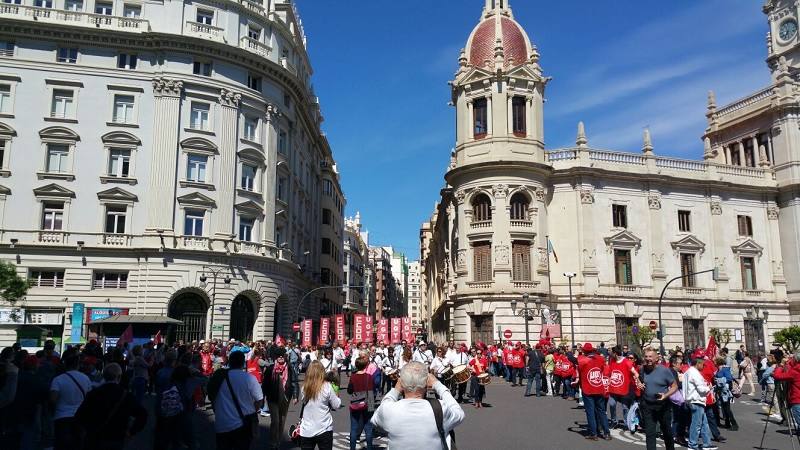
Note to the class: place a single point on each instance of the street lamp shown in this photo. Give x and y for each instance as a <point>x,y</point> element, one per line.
<point>527,313</point>
<point>215,273</point>
<point>570,276</point>
<point>660,333</point>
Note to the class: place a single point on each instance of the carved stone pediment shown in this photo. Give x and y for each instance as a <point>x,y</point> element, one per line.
<point>748,247</point>
<point>53,190</point>
<point>250,208</point>
<point>117,194</point>
<point>688,244</point>
<point>624,240</point>
<point>197,199</point>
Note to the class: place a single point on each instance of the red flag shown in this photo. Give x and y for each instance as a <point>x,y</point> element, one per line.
<point>157,339</point>
<point>324,330</point>
<point>711,348</point>
<point>308,328</point>
<point>279,341</point>
<point>127,337</point>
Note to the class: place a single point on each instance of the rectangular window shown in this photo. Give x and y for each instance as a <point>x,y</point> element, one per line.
<point>47,278</point>
<point>67,55</point>
<point>119,162</point>
<point>205,17</point>
<point>193,222</point>
<point>115,219</point>
<point>521,260</point>
<point>202,68</point>
<point>326,246</point>
<point>132,11</point>
<point>13,2</point>
<point>123,108</point>
<point>745,226</point>
<point>518,107</point>
<point>5,98</point>
<point>63,104</point>
<point>684,221</point>
<point>57,155</point>
<point>482,261</point>
<point>7,48</point>
<point>254,82</point>
<point>246,229</point>
<point>693,335</point>
<point>251,128</point>
<point>687,268</point>
<point>254,32</point>
<point>748,268</point>
<point>53,216</point>
<point>622,266</point>
<point>73,5</point>
<point>326,216</point>
<point>196,168</point>
<point>282,139</point>
<point>327,187</point>
<point>619,216</point>
<point>110,280</point>
<point>103,8</point>
<point>479,118</point>
<point>199,116</point>
<point>281,189</point>
<point>248,177</point>
<point>2,154</point>
<point>127,61</point>
<point>43,3</point>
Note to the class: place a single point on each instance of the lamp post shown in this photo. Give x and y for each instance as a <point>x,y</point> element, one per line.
<point>570,276</point>
<point>527,313</point>
<point>660,333</point>
<point>214,273</point>
<point>342,286</point>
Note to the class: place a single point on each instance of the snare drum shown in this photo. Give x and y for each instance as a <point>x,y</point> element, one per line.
<point>446,374</point>
<point>461,374</point>
<point>484,379</point>
<point>393,374</point>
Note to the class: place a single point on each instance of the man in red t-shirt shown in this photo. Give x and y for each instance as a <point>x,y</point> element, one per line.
<point>507,362</point>
<point>518,360</point>
<point>591,368</point>
<point>621,376</point>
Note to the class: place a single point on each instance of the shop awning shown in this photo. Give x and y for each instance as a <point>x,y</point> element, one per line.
<point>134,319</point>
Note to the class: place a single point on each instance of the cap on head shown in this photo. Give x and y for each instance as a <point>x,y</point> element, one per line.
<point>587,348</point>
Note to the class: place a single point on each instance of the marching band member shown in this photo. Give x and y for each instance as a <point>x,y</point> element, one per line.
<point>405,358</point>
<point>389,364</point>
<point>477,365</point>
<point>460,358</point>
<point>423,355</point>
<point>451,352</point>
<point>439,364</point>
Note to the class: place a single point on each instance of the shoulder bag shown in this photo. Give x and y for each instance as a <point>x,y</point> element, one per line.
<point>439,416</point>
<point>294,430</point>
<point>251,420</point>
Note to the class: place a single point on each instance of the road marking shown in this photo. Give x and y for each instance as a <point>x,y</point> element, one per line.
<point>635,439</point>
<point>341,441</point>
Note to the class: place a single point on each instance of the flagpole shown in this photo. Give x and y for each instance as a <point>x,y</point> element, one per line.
<point>549,286</point>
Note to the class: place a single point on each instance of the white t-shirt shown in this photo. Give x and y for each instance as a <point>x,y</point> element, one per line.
<point>329,366</point>
<point>438,364</point>
<point>459,358</point>
<point>317,417</point>
<point>70,396</point>
<point>247,390</point>
<point>424,357</point>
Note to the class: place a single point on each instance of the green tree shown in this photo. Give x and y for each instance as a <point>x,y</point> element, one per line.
<point>12,287</point>
<point>789,338</point>
<point>722,337</point>
<point>641,337</point>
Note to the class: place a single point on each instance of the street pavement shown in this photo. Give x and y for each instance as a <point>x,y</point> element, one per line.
<point>515,421</point>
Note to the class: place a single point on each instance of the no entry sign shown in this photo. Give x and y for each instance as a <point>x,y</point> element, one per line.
<point>296,326</point>
<point>507,334</point>
<point>653,325</point>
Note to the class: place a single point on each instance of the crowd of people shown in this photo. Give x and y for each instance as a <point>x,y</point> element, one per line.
<point>91,398</point>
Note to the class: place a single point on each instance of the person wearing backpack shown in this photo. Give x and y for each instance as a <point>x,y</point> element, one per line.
<point>362,402</point>
<point>723,384</point>
<point>235,396</point>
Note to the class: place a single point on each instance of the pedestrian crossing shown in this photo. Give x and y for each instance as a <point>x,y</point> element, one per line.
<point>630,438</point>
<point>341,441</point>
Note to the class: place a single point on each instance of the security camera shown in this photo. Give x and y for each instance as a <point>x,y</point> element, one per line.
<point>569,274</point>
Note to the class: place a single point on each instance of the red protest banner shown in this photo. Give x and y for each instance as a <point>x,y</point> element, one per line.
<point>324,330</point>
<point>340,334</point>
<point>407,334</point>
<point>358,327</point>
<point>383,330</point>
<point>307,326</point>
<point>396,329</point>
<point>368,328</point>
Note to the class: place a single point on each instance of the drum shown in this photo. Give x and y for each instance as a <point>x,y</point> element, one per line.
<point>461,374</point>
<point>393,374</point>
<point>446,373</point>
<point>484,379</point>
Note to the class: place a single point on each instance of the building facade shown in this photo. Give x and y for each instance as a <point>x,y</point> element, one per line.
<point>622,225</point>
<point>385,301</point>
<point>415,310</point>
<point>356,266</point>
<point>162,158</point>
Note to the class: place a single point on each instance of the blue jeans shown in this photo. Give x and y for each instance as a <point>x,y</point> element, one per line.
<point>534,375</point>
<point>612,408</point>
<point>139,385</point>
<point>569,391</point>
<point>508,373</point>
<point>595,406</point>
<point>360,421</point>
<point>795,409</point>
<point>711,418</point>
<point>699,426</point>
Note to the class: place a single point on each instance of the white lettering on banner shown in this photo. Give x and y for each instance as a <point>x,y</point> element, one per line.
<point>595,377</point>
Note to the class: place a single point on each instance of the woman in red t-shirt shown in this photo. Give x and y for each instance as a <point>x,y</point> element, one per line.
<point>360,388</point>
<point>477,365</point>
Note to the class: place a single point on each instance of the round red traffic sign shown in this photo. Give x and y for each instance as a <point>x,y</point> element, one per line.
<point>296,326</point>
<point>507,334</point>
<point>653,325</point>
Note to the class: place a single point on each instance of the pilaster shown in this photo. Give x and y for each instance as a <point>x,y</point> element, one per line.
<point>161,184</point>
<point>223,220</point>
<point>270,174</point>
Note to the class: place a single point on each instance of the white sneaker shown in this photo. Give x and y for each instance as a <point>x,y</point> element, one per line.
<point>264,414</point>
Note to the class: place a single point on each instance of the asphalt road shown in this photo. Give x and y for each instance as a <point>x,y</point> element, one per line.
<point>514,421</point>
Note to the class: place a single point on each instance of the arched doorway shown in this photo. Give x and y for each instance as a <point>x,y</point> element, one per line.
<point>243,318</point>
<point>191,309</point>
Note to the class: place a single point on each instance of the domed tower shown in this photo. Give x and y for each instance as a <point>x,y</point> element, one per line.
<point>498,92</point>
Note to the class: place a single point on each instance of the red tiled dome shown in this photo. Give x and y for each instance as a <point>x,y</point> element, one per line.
<point>481,47</point>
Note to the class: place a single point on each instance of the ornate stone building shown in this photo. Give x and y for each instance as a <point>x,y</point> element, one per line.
<point>164,158</point>
<point>624,223</point>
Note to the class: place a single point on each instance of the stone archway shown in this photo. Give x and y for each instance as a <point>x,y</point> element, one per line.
<point>191,309</point>
<point>243,318</point>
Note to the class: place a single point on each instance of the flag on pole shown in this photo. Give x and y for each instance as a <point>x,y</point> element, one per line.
<point>127,337</point>
<point>157,339</point>
<point>551,249</point>
<point>711,348</point>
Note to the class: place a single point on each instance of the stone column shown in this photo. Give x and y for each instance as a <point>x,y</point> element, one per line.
<point>161,185</point>
<point>755,150</point>
<point>270,177</point>
<point>727,150</point>
<point>719,250</point>
<point>529,109</point>
<point>740,153</point>
<point>223,219</point>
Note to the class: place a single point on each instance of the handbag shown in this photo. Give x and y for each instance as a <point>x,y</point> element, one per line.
<point>251,420</point>
<point>294,430</point>
<point>736,389</point>
<point>677,398</point>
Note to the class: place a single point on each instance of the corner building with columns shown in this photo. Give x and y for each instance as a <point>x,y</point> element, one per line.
<point>624,223</point>
<point>163,158</point>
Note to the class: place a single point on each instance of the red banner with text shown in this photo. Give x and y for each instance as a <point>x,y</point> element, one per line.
<point>324,330</point>
<point>408,335</point>
<point>397,326</point>
<point>358,327</point>
<point>368,329</point>
<point>340,334</point>
<point>307,327</point>
<point>383,330</point>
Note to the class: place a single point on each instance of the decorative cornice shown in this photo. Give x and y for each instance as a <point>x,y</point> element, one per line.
<point>167,87</point>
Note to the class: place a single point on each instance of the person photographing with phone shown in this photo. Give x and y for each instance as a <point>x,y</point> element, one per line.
<point>657,384</point>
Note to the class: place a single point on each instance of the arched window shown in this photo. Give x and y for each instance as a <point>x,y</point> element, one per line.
<point>519,207</point>
<point>481,208</point>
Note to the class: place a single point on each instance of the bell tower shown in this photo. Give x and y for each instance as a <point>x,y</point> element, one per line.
<point>782,37</point>
<point>498,92</point>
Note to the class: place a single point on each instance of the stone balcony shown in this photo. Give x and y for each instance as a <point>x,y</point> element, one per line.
<point>255,46</point>
<point>204,31</point>
<point>85,19</point>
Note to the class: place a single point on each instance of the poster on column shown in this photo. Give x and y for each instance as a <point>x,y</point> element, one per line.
<point>340,335</point>
<point>307,328</point>
<point>358,327</point>
<point>383,330</point>
<point>368,329</point>
<point>396,329</point>
<point>407,334</point>
<point>324,330</point>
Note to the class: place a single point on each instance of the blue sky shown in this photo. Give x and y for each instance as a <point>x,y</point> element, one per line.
<point>382,66</point>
